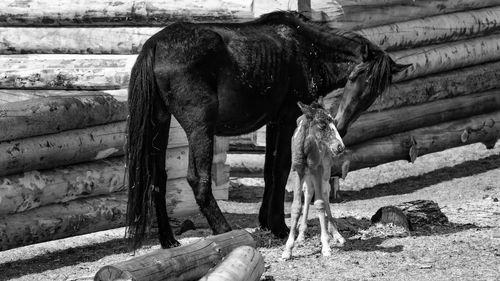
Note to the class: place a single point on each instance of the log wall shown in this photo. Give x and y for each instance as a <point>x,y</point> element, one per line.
<point>442,101</point>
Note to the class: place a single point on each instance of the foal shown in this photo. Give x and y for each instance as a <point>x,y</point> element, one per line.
<point>314,143</point>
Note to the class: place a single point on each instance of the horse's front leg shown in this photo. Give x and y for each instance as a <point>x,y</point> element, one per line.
<point>320,203</point>
<point>276,176</point>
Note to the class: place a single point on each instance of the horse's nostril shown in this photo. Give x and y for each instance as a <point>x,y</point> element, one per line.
<point>340,148</point>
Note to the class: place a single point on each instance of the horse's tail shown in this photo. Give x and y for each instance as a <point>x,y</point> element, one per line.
<point>140,163</point>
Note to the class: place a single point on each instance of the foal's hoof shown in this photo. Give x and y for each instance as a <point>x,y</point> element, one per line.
<point>338,239</point>
<point>326,252</point>
<point>286,255</point>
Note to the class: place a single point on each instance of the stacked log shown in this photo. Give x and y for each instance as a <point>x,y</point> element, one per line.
<point>449,97</point>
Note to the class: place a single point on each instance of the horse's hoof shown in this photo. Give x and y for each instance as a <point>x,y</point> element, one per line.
<point>170,244</point>
<point>281,232</point>
<point>300,239</point>
<point>286,255</point>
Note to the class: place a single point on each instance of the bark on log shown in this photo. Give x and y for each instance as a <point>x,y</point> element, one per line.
<point>188,262</point>
<point>7,96</point>
<point>348,14</point>
<point>65,148</point>
<point>90,214</point>
<point>411,144</point>
<point>25,191</point>
<point>42,116</point>
<point>434,30</point>
<point>378,124</point>
<point>415,215</point>
<point>403,146</point>
<point>129,40</point>
<point>71,147</point>
<point>62,220</point>
<point>438,58</point>
<point>244,263</point>
<point>126,12</point>
<point>95,72</point>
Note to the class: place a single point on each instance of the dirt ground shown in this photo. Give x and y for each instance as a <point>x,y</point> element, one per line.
<point>465,182</point>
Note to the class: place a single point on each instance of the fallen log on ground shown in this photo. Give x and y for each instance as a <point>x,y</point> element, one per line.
<point>188,262</point>
<point>126,12</point>
<point>7,96</point>
<point>438,58</point>
<point>408,145</point>
<point>411,215</point>
<point>244,263</point>
<point>41,116</point>
<point>434,30</point>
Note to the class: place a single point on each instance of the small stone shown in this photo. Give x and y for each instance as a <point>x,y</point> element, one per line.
<point>495,199</point>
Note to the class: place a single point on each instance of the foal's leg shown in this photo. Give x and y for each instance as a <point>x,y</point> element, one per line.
<point>320,209</point>
<point>326,188</point>
<point>308,187</point>
<point>167,239</point>
<point>295,214</point>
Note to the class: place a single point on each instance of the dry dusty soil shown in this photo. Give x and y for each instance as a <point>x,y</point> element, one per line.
<point>465,182</point>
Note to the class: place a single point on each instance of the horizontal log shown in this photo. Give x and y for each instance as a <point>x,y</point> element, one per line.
<point>65,148</point>
<point>378,124</point>
<point>438,58</point>
<point>62,220</point>
<point>481,128</point>
<point>94,72</point>
<point>89,214</point>
<point>126,12</point>
<point>434,30</point>
<point>42,116</point>
<point>360,14</point>
<point>129,40</point>
<point>28,190</point>
<point>244,263</point>
<point>455,83</point>
<point>23,95</point>
<point>187,262</point>
<point>51,71</point>
<point>411,144</point>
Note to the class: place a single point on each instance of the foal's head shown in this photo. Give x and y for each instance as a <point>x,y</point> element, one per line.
<point>365,83</point>
<point>321,127</point>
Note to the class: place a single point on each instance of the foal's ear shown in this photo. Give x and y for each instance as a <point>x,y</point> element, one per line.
<point>396,67</point>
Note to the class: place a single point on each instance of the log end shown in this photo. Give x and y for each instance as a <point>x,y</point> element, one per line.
<point>392,215</point>
<point>112,273</point>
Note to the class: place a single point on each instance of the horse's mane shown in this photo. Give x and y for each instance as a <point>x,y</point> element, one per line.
<point>353,46</point>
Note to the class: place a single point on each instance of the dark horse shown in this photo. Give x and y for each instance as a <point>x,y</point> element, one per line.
<point>230,79</point>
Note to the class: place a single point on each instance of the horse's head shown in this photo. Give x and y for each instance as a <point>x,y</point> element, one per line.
<point>321,126</point>
<point>365,83</point>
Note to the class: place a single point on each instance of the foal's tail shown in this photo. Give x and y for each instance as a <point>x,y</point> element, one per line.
<point>141,129</point>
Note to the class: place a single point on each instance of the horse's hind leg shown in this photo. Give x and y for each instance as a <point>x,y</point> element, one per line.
<point>295,214</point>
<point>167,239</point>
<point>198,120</point>
<point>326,189</point>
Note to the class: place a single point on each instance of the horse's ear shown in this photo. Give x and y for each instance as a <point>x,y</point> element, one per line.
<point>307,110</point>
<point>396,67</point>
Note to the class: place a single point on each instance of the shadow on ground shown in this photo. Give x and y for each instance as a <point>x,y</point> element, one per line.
<point>253,194</point>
